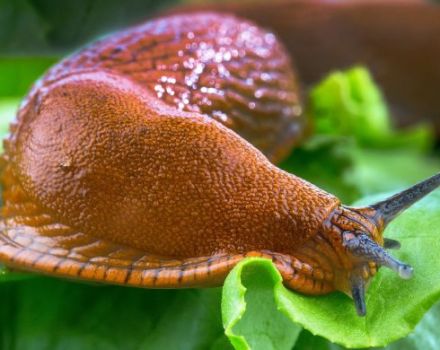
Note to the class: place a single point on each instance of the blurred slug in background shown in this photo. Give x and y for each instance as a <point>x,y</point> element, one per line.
<point>146,159</point>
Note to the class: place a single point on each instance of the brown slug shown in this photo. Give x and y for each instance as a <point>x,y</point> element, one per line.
<point>131,162</point>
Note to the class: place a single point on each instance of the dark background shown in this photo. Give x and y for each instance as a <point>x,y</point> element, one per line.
<point>54,27</point>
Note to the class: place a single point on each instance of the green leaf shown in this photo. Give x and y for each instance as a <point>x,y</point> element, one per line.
<point>7,276</point>
<point>250,315</point>
<point>17,74</point>
<point>52,314</point>
<point>349,103</point>
<point>394,306</point>
<point>308,341</point>
<point>424,337</point>
<point>379,171</point>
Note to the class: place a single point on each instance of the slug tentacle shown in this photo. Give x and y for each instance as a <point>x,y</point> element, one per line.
<point>391,243</point>
<point>365,248</point>
<point>389,208</point>
<point>359,234</point>
<point>358,294</point>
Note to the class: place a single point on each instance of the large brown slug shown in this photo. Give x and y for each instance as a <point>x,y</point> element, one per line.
<point>126,165</point>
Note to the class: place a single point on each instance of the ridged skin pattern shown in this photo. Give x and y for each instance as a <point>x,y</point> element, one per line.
<point>105,181</point>
<point>229,69</point>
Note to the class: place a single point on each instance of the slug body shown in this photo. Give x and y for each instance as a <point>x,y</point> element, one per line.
<point>126,165</point>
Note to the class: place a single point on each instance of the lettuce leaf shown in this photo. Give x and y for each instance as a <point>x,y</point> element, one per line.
<point>394,306</point>
<point>250,309</point>
<point>349,103</point>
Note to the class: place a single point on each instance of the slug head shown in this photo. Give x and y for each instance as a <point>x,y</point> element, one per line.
<point>359,234</point>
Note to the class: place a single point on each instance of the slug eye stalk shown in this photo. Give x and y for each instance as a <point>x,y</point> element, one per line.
<point>364,248</point>
<point>389,208</point>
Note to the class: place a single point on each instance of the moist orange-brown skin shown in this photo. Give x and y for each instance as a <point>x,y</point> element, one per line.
<point>229,69</point>
<point>105,181</point>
